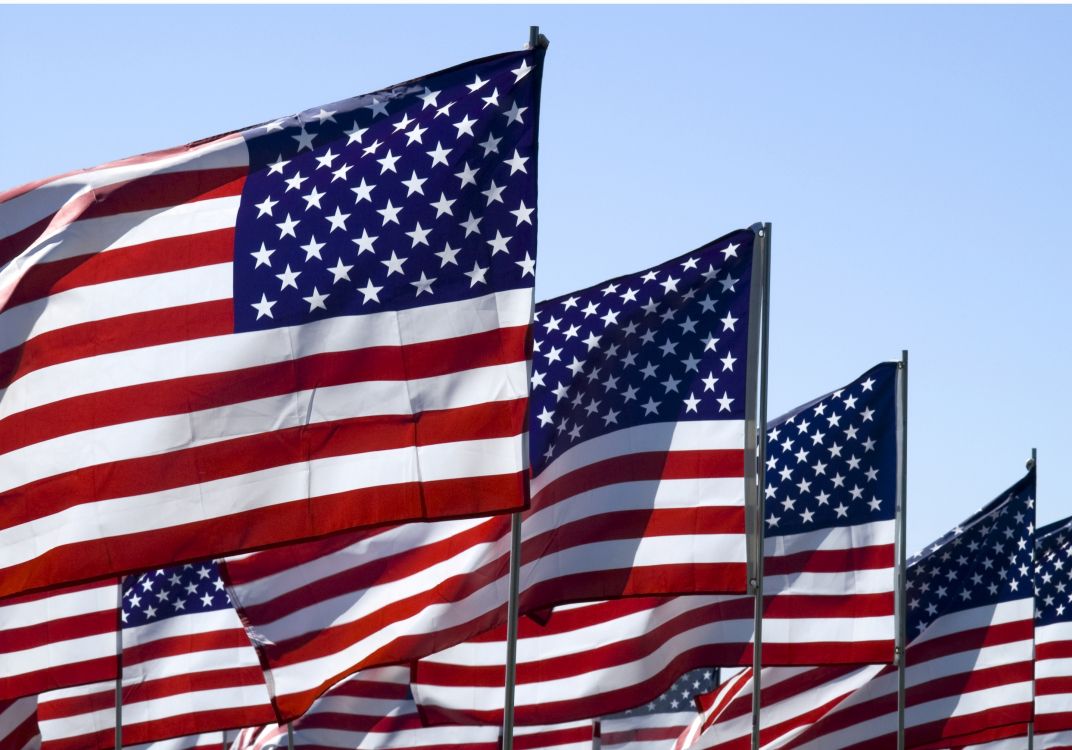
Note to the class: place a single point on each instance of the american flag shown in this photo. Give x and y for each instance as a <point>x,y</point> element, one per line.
<point>58,638</point>
<point>648,500</point>
<point>658,723</point>
<point>1053,629</point>
<point>188,668</point>
<point>369,710</point>
<point>829,579</point>
<point>969,658</point>
<point>308,326</point>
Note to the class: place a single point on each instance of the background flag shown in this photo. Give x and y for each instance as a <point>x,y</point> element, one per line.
<point>658,723</point>
<point>312,325</point>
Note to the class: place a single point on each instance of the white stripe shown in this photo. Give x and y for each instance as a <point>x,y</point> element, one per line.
<point>836,538</point>
<point>661,437</point>
<point>261,489</point>
<point>57,653</point>
<point>27,209</point>
<point>1053,633</point>
<point>12,717</point>
<point>192,623</point>
<point>193,664</point>
<point>100,598</point>
<point>251,349</point>
<point>1049,668</point>
<point>156,436</point>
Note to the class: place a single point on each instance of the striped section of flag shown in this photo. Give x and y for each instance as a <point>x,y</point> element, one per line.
<point>658,723</point>
<point>626,503</point>
<point>168,392</point>
<point>575,735</point>
<point>58,639</point>
<point>372,710</point>
<point>1053,628</point>
<point>18,724</point>
<point>969,666</point>
<point>188,669</point>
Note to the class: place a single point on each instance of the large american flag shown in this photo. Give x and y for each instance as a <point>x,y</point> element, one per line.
<point>659,722</point>
<point>58,638</point>
<point>641,491</point>
<point>312,325</point>
<point>188,668</point>
<point>969,658</point>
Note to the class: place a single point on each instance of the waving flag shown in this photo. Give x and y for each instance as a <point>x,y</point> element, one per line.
<point>969,658</point>
<point>1053,630</point>
<point>18,724</point>
<point>655,725</point>
<point>188,669</point>
<point>635,494</point>
<point>58,639</point>
<point>308,326</point>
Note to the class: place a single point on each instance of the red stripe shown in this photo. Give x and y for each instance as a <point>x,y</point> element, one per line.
<point>57,629</point>
<point>263,527</point>
<point>165,190</point>
<point>60,676</point>
<point>15,244</point>
<point>970,640</point>
<point>1054,686</point>
<point>551,737</point>
<point>876,557</point>
<point>229,458</point>
<point>1053,650</point>
<point>185,644</point>
<point>1053,722</point>
<point>641,734</point>
<point>195,393</point>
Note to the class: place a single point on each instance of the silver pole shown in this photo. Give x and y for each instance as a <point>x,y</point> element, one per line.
<point>290,736</point>
<point>119,669</point>
<point>901,582</point>
<point>763,254</point>
<point>1031,465</point>
<point>511,632</point>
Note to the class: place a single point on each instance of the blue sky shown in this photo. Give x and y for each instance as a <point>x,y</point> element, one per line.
<point>915,163</point>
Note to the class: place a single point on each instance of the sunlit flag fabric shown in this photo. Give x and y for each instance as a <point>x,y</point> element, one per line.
<point>18,724</point>
<point>969,658</point>
<point>641,491</point>
<point>58,638</point>
<point>188,668</point>
<point>371,710</point>
<point>312,325</point>
<point>658,723</point>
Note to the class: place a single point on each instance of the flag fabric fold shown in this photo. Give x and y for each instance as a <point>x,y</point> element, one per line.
<point>658,723</point>
<point>969,657</point>
<point>313,325</point>
<point>638,455</point>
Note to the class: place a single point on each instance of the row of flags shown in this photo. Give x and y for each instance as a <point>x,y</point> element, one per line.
<point>267,402</point>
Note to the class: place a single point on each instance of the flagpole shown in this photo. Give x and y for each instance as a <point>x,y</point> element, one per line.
<point>119,669</point>
<point>756,582</point>
<point>900,592</point>
<point>290,736</point>
<point>1031,465</point>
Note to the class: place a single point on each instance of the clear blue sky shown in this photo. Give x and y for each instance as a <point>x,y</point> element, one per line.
<point>915,163</point>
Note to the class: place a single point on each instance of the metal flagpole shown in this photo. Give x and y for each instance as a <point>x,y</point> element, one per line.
<point>535,40</point>
<point>290,736</point>
<point>756,582</point>
<point>1031,465</point>
<point>900,592</point>
<point>119,669</point>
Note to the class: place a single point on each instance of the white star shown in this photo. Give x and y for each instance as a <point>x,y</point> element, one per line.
<point>522,70</point>
<point>651,407</point>
<point>288,278</point>
<point>724,402</point>
<point>442,206</point>
<point>498,245</point>
<point>325,116</point>
<point>517,163</point>
<point>394,264</point>
<point>467,175</point>
<point>727,362</point>
<point>448,255</point>
<point>528,266</point>
<point>709,382</point>
<point>377,107</point>
<point>356,134</point>
<point>429,98</point>
<point>523,213</point>
<point>286,228</point>
<point>423,284</point>
<point>325,161</point>
<point>371,148</point>
<point>304,139</point>
<point>388,162</point>
<point>340,272</point>
<point>472,224</point>
<point>295,182</point>
<point>476,276</point>
<point>465,125</point>
<point>418,235</point>
<point>439,154</point>
<point>363,191</point>
<point>691,404</point>
<point>315,300</point>
<point>206,600</point>
<point>670,285</point>
<point>263,256</point>
<point>364,242</point>
<point>868,384</point>
<point>728,322</point>
<point>545,417</point>
<point>277,166</point>
<point>338,220</point>
<point>490,145</point>
<point>415,135</point>
<point>413,184</point>
<point>313,198</point>
<point>493,193</point>
<point>371,292</point>
<point>476,85</point>
<point>491,100</point>
<point>389,212</point>
<point>265,208</point>
<point>513,114</point>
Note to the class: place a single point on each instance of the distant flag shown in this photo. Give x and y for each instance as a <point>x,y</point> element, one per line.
<point>658,723</point>
<point>638,454</point>
<point>1053,631</point>
<point>18,724</point>
<point>188,669</point>
<point>829,567</point>
<point>58,638</point>
<point>969,658</point>
<point>304,327</point>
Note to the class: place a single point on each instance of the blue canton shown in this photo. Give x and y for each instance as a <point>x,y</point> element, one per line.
<point>667,344</point>
<point>833,462</point>
<point>985,560</point>
<point>681,696</point>
<point>1053,573</point>
<point>418,194</point>
<point>170,592</point>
